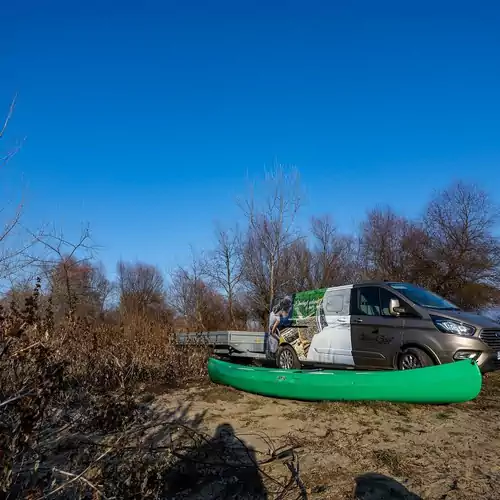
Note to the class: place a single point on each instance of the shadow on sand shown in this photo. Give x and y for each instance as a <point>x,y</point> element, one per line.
<point>221,467</point>
<point>225,467</point>
<point>373,486</point>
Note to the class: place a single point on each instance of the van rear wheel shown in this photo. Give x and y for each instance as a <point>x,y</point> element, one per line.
<point>287,359</point>
<point>412,358</point>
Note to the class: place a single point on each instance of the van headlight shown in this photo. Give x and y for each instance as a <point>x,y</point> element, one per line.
<point>456,327</point>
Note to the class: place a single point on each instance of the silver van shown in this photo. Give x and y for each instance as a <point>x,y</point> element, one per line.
<point>381,325</point>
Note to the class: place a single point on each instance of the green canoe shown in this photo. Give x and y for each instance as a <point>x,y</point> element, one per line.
<point>448,383</point>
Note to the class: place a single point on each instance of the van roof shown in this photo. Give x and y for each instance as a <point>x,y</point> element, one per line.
<point>371,282</point>
<point>374,282</point>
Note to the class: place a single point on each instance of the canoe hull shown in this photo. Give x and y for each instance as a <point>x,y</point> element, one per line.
<point>448,383</point>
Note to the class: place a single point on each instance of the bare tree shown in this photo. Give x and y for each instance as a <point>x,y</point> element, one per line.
<point>334,257</point>
<point>297,268</point>
<point>271,212</point>
<point>200,306</point>
<point>9,256</point>
<point>100,286</point>
<point>394,247</point>
<point>68,269</point>
<point>223,267</point>
<point>459,222</point>
<point>141,287</point>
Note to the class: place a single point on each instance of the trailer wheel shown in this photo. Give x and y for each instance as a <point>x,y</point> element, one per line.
<point>287,359</point>
<point>412,358</point>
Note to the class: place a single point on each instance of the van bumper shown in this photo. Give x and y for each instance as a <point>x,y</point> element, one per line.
<point>488,362</point>
<point>487,358</point>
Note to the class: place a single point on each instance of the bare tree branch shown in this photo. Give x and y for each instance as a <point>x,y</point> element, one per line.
<point>9,115</point>
<point>335,259</point>
<point>200,306</point>
<point>9,257</point>
<point>272,230</point>
<point>223,267</point>
<point>68,269</point>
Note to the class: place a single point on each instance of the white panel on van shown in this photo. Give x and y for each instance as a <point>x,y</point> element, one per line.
<point>336,301</point>
<point>332,344</point>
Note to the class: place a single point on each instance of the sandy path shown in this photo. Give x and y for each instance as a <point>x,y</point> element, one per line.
<point>437,452</point>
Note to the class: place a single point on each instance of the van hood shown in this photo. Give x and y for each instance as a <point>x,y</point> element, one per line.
<point>477,320</point>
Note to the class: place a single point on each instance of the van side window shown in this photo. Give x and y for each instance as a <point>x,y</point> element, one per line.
<point>334,303</point>
<point>367,301</point>
<point>385,297</point>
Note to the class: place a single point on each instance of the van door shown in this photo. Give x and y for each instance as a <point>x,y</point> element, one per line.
<point>376,334</point>
<point>332,344</point>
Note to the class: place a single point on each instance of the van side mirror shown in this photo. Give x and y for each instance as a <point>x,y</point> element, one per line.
<point>395,309</point>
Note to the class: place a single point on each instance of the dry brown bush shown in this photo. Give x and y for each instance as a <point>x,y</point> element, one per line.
<point>73,426</point>
<point>77,375</point>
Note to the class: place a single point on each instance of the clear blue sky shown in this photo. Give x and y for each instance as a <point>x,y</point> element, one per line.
<point>144,118</point>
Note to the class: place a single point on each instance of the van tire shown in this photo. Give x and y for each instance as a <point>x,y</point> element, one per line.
<point>412,358</point>
<point>286,358</point>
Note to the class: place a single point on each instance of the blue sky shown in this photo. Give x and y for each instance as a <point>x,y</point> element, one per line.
<point>145,118</point>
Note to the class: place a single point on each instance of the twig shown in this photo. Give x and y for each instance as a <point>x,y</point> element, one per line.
<point>26,348</point>
<point>257,464</point>
<point>82,478</point>
<point>262,435</point>
<point>46,434</point>
<point>295,476</point>
<point>9,115</point>
<point>5,346</point>
<point>76,477</point>
<point>15,398</point>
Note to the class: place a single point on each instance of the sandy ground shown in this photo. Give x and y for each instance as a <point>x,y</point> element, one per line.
<point>444,452</point>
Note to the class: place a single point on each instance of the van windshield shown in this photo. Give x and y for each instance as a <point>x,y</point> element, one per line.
<point>423,297</point>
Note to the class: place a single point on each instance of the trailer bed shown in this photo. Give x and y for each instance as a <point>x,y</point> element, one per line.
<point>231,343</point>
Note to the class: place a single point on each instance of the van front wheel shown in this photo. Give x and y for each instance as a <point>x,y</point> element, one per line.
<point>287,359</point>
<point>412,358</point>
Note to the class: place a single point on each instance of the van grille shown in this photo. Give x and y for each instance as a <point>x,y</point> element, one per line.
<point>492,338</point>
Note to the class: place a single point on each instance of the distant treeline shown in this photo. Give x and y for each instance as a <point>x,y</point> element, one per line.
<point>451,249</point>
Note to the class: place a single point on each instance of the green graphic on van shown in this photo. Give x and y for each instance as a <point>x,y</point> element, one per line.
<point>300,318</point>
<point>306,304</point>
